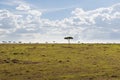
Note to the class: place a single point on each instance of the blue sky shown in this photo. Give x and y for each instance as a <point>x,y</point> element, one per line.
<point>51,20</point>
<point>66,6</point>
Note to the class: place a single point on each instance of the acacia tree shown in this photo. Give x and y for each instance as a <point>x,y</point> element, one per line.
<point>53,42</point>
<point>9,41</point>
<point>68,38</point>
<point>3,41</point>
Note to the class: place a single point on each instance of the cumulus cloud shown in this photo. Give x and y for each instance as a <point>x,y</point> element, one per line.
<point>23,7</point>
<point>99,24</point>
<point>8,21</point>
<point>35,12</point>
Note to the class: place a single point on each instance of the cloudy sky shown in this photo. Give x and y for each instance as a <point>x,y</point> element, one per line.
<point>52,20</point>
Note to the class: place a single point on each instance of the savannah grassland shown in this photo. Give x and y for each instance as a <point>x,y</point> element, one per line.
<point>59,62</point>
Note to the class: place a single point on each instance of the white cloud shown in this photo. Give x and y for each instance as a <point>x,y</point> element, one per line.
<point>100,24</point>
<point>23,7</point>
<point>35,12</point>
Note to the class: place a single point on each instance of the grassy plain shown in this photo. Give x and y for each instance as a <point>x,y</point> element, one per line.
<point>59,62</point>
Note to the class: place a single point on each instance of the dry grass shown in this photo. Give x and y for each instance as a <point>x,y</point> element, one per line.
<point>59,62</point>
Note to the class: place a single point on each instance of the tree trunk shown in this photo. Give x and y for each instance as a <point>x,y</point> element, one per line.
<point>68,41</point>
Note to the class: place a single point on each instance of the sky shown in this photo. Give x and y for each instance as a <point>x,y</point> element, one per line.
<point>52,20</point>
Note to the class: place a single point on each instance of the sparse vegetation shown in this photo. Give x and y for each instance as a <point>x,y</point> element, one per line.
<point>76,62</point>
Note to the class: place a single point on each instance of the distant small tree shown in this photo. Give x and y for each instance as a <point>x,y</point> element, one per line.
<point>68,38</point>
<point>9,41</point>
<point>78,42</point>
<point>20,42</point>
<point>3,41</point>
<point>46,42</point>
<point>14,42</point>
<point>53,42</point>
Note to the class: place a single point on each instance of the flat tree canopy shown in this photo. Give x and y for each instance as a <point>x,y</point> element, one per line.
<point>68,38</point>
